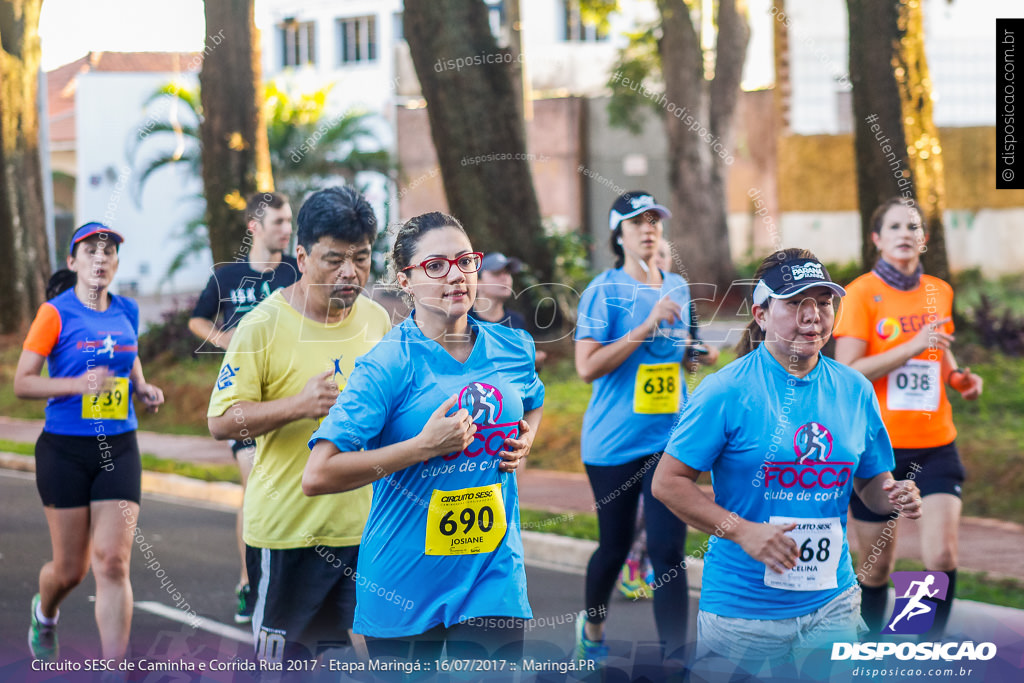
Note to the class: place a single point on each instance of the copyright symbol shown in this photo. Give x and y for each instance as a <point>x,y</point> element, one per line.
<point>1007,174</point>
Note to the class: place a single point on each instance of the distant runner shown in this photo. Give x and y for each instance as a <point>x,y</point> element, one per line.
<point>88,470</point>
<point>896,328</point>
<point>232,291</point>
<point>632,337</point>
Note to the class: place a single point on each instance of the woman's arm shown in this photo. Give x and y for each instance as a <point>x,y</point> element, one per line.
<point>852,351</point>
<point>518,448</point>
<point>675,485</point>
<point>330,470</point>
<point>962,379</point>
<point>29,382</point>
<point>594,359</point>
<point>884,495</point>
<point>151,395</point>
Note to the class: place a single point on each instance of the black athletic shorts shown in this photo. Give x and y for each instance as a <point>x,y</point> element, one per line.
<point>240,444</point>
<point>72,471</point>
<point>306,603</point>
<point>934,470</point>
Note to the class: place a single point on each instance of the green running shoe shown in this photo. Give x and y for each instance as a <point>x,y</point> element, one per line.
<point>246,604</point>
<point>588,650</point>
<point>42,639</point>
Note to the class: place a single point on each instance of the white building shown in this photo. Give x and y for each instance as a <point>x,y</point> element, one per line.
<point>97,106</point>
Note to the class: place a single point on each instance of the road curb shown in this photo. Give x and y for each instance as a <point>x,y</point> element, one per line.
<point>550,551</point>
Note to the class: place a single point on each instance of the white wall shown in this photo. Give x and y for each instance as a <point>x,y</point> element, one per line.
<point>367,86</point>
<point>959,43</point>
<point>986,239</point>
<point>109,112</point>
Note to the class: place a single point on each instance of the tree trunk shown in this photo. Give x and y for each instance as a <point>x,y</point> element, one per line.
<point>698,170</point>
<point>22,219</point>
<point>233,134</point>
<point>897,144</point>
<point>476,130</point>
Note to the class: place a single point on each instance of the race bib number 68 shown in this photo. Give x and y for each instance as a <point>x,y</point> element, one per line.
<point>819,543</point>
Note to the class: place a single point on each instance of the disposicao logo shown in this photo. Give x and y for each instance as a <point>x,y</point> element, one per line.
<point>914,612</point>
<point>888,328</point>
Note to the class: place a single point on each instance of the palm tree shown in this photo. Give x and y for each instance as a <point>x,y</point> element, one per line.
<point>308,150</point>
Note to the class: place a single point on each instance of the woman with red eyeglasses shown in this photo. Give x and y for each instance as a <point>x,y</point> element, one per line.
<point>437,416</point>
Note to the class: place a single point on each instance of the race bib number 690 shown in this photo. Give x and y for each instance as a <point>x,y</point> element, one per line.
<point>466,521</point>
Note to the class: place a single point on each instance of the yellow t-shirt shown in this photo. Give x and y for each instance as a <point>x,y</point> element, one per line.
<point>275,350</point>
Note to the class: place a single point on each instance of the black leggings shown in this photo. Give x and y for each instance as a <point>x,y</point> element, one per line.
<point>617,491</point>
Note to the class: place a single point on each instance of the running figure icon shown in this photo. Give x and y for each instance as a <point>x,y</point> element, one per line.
<point>915,607</point>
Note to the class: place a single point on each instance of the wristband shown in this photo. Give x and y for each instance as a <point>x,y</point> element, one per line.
<point>957,384</point>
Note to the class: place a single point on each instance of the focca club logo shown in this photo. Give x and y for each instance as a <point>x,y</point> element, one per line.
<point>483,403</point>
<point>811,468</point>
<point>813,442</point>
<point>914,612</point>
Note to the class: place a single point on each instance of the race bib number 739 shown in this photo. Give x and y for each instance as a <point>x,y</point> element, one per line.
<point>109,404</point>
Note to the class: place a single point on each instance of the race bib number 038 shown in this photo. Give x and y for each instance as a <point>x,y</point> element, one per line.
<point>109,404</point>
<point>914,386</point>
<point>819,545</point>
<point>657,389</point>
<point>466,521</point>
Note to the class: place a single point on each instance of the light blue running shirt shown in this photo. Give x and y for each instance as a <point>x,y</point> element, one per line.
<point>434,550</point>
<point>782,447</point>
<point>616,429</point>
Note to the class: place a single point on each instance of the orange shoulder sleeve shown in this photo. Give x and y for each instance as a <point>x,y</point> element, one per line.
<point>45,331</point>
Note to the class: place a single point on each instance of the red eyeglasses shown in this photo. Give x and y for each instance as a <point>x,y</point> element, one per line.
<point>439,266</point>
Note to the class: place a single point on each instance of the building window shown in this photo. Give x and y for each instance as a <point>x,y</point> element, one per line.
<point>357,40</point>
<point>575,30</point>
<point>399,26</point>
<point>496,17</point>
<point>298,42</point>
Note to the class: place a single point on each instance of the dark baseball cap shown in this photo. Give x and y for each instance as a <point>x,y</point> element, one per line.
<point>790,275</point>
<point>633,204</point>
<point>496,261</point>
<point>93,228</point>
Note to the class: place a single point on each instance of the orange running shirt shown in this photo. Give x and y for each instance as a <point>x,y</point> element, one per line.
<point>913,397</point>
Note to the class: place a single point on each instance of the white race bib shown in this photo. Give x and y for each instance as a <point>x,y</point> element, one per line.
<point>819,545</point>
<point>914,386</point>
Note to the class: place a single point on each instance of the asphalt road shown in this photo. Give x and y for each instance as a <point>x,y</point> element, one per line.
<point>194,545</point>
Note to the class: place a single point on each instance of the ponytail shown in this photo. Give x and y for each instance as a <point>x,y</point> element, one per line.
<point>752,336</point>
<point>60,282</point>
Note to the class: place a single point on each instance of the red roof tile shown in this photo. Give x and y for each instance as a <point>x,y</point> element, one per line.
<point>60,82</point>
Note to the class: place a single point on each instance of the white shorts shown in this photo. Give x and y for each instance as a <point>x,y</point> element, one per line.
<point>751,643</point>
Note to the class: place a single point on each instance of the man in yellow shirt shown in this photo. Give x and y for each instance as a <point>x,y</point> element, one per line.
<point>286,363</point>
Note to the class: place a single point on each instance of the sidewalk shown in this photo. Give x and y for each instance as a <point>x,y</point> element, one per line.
<point>986,545</point>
